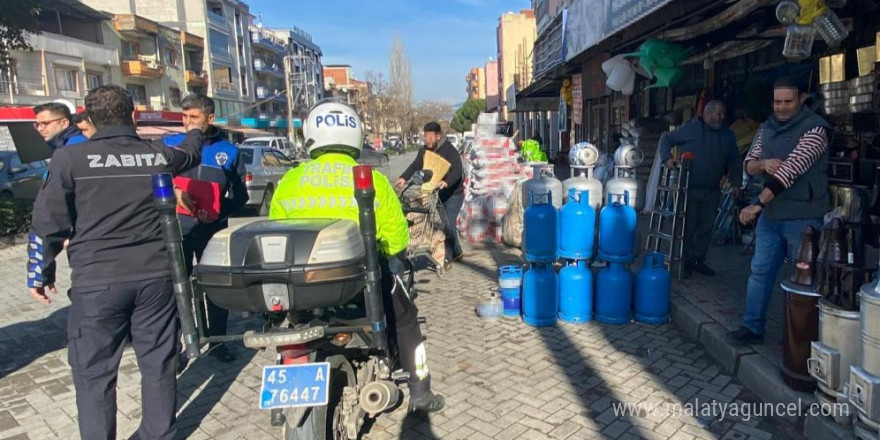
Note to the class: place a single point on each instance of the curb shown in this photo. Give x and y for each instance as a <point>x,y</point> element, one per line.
<point>757,373</point>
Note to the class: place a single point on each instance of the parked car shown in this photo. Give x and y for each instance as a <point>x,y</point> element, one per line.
<point>373,158</point>
<point>277,142</point>
<point>265,167</point>
<point>20,180</point>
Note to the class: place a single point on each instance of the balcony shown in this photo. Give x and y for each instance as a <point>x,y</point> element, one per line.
<point>218,20</point>
<point>89,52</point>
<point>197,79</point>
<point>143,69</point>
<point>221,52</point>
<point>19,88</point>
<point>192,40</point>
<point>261,66</point>
<point>223,86</point>
<point>267,41</point>
<point>134,25</point>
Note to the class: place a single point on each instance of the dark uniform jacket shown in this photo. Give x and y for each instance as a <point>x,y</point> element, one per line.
<point>221,164</point>
<point>453,177</point>
<point>103,190</point>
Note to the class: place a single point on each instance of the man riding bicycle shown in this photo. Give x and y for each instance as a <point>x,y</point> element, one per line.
<point>333,139</point>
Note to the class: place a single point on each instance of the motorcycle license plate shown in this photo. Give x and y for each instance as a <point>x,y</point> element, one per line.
<point>299,385</point>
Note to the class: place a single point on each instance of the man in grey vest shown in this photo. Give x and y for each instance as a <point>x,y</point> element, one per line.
<point>791,150</point>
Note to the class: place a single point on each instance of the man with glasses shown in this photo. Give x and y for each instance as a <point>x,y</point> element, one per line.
<point>53,122</point>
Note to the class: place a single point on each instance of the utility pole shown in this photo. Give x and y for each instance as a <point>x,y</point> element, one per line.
<point>291,132</point>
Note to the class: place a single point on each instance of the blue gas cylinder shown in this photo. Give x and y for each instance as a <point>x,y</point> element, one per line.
<point>510,280</point>
<point>652,291</point>
<point>540,301</point>
<point>617,231</point>
<point>577,224</point>
<point>539,229</point>
<point>576,292</point>
<point>614,291</point>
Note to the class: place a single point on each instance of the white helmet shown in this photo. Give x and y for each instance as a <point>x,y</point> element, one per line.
<point>333,126</point>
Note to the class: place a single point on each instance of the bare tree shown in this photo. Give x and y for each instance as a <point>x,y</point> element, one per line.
<point>376,111</point>
<point>400,82</point>
<point>427,111</point>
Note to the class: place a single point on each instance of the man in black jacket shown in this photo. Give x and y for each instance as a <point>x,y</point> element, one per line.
<point>121,277</point>
<point>451,187</point>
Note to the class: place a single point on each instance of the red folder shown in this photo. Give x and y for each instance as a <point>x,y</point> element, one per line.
<point>205,195</point>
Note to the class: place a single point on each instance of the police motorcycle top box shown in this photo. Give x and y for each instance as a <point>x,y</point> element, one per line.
<point>317,282</point>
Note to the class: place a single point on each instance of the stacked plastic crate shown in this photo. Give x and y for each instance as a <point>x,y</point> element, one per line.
<point>493,171</point>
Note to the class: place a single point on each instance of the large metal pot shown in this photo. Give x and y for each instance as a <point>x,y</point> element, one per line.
<point>838,348</point>
<point>870,326</point>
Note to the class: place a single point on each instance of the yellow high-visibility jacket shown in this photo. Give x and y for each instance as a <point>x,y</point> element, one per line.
<point>324,188</point>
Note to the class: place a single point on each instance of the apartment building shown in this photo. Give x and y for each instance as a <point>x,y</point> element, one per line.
<point>516,38</point>
<point>223,66</point>
<point>269,73</point>
<point>339,82</point>
<point>306,69</point>
<point>157,62</point>
<point>492,81</point>
<point>476,83</point>
<point>73,53</point>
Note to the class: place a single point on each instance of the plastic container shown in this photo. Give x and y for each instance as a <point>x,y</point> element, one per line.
<point>510,283</point>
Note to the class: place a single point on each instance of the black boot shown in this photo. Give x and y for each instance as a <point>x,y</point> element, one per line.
<point>699,266</point>
<point>422,399</point>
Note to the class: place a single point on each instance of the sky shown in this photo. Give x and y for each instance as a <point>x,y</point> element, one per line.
<point>443,38</point>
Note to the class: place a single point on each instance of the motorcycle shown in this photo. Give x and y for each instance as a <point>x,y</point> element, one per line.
<point>316,283</point>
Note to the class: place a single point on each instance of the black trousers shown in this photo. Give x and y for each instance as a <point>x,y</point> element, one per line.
<point>404,319</point>
<point>702,208</point>
<point>451,207</point>
<point>101,319</point>
<point>195,240</point>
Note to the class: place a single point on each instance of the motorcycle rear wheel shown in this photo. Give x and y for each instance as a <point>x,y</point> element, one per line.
<point>325,422</point>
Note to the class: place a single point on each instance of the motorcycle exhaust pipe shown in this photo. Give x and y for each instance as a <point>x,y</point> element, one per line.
<point>378,396</point>
<point>365,194</point>
<point>166,203</point>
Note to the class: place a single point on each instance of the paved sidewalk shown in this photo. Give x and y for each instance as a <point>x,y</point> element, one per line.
<point>503,380</point>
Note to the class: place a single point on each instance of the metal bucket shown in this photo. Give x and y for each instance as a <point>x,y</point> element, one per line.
<point>870,314</point>
<point>838,347</point>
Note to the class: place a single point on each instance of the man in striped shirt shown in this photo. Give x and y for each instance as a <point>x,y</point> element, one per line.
<point>791,151</point>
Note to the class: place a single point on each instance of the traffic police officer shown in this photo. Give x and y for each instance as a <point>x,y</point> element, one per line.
<point>334,135</point>
<point>221,166</point>
<point>121,277</point>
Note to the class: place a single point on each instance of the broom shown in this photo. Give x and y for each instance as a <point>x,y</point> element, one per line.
<point>437,164</point>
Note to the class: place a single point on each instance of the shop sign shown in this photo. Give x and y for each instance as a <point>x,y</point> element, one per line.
<point>623,13</point>
<point>591,21</point>
<point>577,97</point>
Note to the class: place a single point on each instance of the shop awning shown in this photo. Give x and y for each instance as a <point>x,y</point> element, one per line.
<point>151,132</point>
<point>541,95</point>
